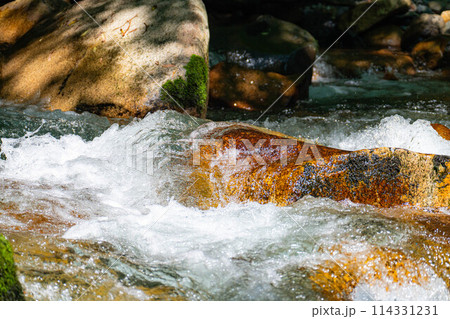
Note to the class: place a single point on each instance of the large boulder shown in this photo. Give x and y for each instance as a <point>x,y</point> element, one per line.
<point>379,11</point>
<point>247,163</point>
<point>233,86</point>
<point>10,288</point>
<point>112,58</point>
<point>424,27</point>
<point>20,16</point>
<point>267,44</point>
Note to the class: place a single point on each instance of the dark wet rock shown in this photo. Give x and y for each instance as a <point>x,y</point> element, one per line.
<point>233,86</point>
<point>428,54</point>
<point>353,63</point>
<point>20,16</point>
<point>10,288</point>
<point>380,11</point>
<point>267,44</point>
<point>318,17</point>
<point>386,36</point>
<point>423,28</point>
<point>115,69</point>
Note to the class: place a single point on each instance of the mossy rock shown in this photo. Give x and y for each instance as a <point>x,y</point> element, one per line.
<point>191,93</point>
<point>10,288</point>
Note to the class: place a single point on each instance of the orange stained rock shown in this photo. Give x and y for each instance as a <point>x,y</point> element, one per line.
<point>446,16</point>
<point>377,266</point>
<point>429,53</point>
<point>442,130</point>
<point>258,171</point>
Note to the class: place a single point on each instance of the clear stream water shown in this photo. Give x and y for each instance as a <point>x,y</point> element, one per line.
<point>86,225</point>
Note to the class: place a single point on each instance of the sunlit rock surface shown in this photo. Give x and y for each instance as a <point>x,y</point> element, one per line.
<point>251,165</point>
<point>107,57</point>
<point>20,16</point>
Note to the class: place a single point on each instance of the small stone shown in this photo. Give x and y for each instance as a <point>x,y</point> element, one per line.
<point>435,6</point>
<point>233,86</point>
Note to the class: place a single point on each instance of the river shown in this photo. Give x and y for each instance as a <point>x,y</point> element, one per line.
<point>87,223</point>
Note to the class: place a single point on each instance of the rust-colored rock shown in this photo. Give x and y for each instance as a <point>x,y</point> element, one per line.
<point>258,171</point>
<point>335,280</point>
<point>387,36</point>
<point>428,54</point>
<point>237,87</point>
<point>353,63</point>
<point>442,130</point>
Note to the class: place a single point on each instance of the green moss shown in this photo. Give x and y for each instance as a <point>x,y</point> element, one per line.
<point>10,288</point>
<point>192,92</point>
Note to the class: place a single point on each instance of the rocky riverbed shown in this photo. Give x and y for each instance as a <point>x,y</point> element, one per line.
<point>100,105</point>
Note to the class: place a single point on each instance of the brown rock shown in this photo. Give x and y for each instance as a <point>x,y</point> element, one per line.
<point>20,16</point>
<point>428,54</point>
<point>388,36</point>
<point>236,87</point>
<point>115,69</point>
<point>254,167</point>
<point>352,63</point>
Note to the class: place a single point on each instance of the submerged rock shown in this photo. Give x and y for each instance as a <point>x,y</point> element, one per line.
<point>234,86</point>
<point>353,63</point>
<point>10,288</point>
<point>255,164</point>
<point>113,66</point>
<point>381,10</point>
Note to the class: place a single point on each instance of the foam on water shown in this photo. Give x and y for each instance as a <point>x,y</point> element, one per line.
<point>392,131</point>
<point>246,251</point>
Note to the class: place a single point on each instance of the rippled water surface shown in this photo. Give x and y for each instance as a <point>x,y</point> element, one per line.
<point>86,223</point>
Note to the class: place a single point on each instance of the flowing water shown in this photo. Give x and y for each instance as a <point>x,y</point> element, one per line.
<point>88,223</point>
